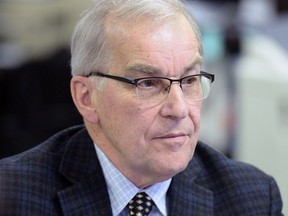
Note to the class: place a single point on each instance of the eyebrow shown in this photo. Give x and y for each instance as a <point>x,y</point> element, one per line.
<point>196,61</point>
<point>143,69</point>
<point>150,70</point>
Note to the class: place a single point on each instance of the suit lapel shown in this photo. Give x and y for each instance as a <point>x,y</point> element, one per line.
<point>85,198</point>
<point>187,196</point>
<point>195,201</point>
<point>87,192</point>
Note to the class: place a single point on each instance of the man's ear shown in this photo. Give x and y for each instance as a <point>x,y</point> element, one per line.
<point>81,91</point>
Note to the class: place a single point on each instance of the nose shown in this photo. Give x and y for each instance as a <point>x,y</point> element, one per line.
<point>175,105</point>
<point>173,82</point>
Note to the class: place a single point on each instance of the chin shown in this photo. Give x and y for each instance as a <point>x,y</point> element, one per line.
<point>174,168</point>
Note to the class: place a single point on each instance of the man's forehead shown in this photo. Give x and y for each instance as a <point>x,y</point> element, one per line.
<point>145,48</point>
<point>146,68</point>
<point>118,27</point>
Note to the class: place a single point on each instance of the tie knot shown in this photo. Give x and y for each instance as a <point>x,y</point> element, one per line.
<point>140,205</point>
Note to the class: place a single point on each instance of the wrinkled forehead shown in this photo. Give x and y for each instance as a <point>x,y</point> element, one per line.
<point>147,29</point>
<point>169,45</point>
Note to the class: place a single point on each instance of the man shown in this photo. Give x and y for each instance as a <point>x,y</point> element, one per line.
<point>138,84</point>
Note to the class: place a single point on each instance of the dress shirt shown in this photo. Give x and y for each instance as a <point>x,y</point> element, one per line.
<point>121,190</point>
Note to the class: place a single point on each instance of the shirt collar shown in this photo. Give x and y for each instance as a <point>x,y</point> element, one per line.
<point>121,190</point>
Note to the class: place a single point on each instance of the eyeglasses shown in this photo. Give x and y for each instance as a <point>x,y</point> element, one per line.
<point>155,89</point>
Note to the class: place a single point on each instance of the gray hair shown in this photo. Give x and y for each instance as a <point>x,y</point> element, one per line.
<point>89,46</point>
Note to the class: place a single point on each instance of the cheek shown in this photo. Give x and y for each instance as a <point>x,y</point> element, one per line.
<point>122,117</point>
<point>195,114</point>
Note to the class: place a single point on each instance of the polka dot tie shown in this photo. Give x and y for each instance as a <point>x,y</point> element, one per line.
<point>140,205</point>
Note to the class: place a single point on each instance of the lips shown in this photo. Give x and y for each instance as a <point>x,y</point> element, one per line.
<point>173,142</point>
<point>173,139</point>
<point>172,135</point>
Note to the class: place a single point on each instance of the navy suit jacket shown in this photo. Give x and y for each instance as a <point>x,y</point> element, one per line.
<point>63,176</point>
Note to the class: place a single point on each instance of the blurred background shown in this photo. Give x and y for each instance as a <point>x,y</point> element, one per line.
<point>245,44</point>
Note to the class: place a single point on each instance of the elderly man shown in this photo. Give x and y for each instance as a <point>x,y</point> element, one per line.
<point>138,84</point>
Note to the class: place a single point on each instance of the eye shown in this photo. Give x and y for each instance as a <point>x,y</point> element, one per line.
<point>149,83</point>
<point>190,80</point>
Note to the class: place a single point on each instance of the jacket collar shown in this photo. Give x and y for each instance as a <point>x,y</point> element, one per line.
<point>186,194</point>
<point>88,194</point>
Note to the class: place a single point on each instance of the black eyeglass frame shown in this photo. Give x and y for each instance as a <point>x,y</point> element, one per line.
<point>135,81</point>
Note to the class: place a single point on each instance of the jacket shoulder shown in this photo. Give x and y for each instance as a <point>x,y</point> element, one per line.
<point>53,146</point>
<point>237,187</point>
<point>32,177</point>
<point>215,163</point>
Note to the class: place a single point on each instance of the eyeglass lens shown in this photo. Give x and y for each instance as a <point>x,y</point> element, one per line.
<point>155,90</point>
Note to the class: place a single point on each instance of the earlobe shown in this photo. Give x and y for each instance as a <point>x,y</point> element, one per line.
<point>81,91</point>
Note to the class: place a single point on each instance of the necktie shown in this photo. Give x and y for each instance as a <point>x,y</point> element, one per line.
<point>140,205</point>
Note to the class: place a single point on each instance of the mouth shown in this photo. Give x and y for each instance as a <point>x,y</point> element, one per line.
<point>173,139</point>
<point>172,136</point>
